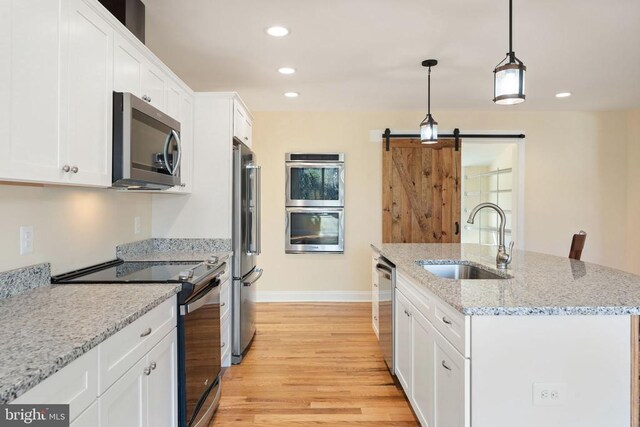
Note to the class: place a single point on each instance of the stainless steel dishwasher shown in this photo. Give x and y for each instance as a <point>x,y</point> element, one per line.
<point>386,287</point>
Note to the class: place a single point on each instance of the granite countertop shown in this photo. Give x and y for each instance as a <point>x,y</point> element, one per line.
<point>539,285</point>
<point>45,329</point>
<point>186,256</point>
<point>178,250</point>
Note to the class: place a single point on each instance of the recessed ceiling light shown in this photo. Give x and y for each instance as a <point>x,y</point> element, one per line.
<point>291,94</point>
<point>286,70</point>
<point>563,94</point>
<point>277,31</point>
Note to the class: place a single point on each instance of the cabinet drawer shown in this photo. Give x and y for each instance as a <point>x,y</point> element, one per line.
<point>421,300</point>
<point>76,384</point>
<point>225,298</point>
<point>121,351</point>
<point>225,339</point>
<point>452,325</point>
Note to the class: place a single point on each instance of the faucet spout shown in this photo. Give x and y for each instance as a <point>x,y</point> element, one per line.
<point>502,258</point>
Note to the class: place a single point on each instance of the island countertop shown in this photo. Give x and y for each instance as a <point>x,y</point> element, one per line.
<point>540,284</point>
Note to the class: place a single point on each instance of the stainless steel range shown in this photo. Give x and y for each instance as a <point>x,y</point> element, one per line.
<point>198,324</point>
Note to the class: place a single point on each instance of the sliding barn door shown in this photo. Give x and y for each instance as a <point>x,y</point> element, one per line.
<point>420,192</point>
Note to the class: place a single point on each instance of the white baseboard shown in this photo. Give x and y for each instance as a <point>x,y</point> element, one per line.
<point>313,296</point>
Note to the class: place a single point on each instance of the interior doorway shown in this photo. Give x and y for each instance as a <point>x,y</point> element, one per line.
<point>492,171</point>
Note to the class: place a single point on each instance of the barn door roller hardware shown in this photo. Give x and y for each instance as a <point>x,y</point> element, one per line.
<point>387,135</point>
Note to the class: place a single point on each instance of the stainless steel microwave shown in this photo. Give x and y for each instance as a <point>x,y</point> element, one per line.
<point>146,145</point>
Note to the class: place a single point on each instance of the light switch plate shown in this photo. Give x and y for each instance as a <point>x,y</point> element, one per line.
<point>26,239</point>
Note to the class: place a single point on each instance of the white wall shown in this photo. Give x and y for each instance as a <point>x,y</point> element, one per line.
<point>73,227</point>
<point>575,178</point>
<point>633,192</point>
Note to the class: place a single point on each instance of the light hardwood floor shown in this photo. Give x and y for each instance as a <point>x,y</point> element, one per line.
<point>312,364</point>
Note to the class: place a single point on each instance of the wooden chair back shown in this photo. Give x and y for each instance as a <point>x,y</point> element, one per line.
<point>577,245</point>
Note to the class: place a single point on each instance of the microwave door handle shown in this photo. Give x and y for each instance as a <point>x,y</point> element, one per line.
<point>165,151</point>
<point>176,165</point>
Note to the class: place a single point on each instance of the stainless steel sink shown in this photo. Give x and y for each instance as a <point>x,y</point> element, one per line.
<point>461,271</point>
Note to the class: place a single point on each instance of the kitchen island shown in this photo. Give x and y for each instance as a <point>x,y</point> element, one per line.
<point>547,343</point>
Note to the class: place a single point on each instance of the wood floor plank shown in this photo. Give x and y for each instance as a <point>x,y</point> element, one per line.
<point>312,364</point>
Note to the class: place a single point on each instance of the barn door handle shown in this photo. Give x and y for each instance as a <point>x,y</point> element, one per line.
<point>457,228</point>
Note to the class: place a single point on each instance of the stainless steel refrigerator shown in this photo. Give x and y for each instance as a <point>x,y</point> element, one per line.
<point>246,247</point>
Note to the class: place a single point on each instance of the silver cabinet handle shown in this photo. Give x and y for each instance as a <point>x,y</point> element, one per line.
<point>66,168</point>
<point>147,371</point>
<point>246,138</point>
<point>375,317</point>
<point>74,169</point>
<point>407,313</point>
<point>375,284</point>
<point>222,304</point>
<point>153,366</point>
<point>183,185</point>
<point>146,98</point>
<point>146,333</point>
<point>447,321</point>
<point>445,366</point>
<point>223,344</point>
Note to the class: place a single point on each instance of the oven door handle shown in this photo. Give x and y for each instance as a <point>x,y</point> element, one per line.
<point>254,277</point>
<point>209,295</point>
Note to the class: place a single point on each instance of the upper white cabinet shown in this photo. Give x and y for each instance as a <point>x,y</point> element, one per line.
<point>62,60</point>
<point>86,95</point>
<point>29,101</point>
<point>242,123</point>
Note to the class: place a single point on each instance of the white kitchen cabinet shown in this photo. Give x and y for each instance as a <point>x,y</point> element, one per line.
<point>86,87</point>
<point>146,395</point>
<point>403,343</point>
<point>422,363</point>
<point>451,394</point>
<point>89,418</point>
<point>128,65</point>
<point>30,36</point>
<point>242,123</point>
<point>225,317</point>
<point>75,385</point>
<point>162,389</point>
<point>375,295</point>
<point>154,84</point>
<point>124,403</point>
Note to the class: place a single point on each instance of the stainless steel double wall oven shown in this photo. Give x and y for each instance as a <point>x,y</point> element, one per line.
<point>314,214</point>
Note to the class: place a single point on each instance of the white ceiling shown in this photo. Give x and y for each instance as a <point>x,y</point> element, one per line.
<point>366,54</point>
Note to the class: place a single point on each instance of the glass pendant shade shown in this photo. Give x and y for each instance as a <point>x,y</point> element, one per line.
<point>429,130</point>
<point>509,83</point>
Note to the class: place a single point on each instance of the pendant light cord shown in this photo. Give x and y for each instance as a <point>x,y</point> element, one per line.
<point>511,55</point>
<point>429,92</point>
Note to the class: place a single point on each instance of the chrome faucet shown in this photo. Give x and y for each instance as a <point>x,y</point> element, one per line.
<point>503,259</point>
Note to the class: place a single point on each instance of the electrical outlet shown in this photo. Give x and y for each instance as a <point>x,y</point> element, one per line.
<point>26,239</point>
<point>548,394</point>
<point>136,225</point>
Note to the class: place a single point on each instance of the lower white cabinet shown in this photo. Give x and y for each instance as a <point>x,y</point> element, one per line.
<point>141,394</point>
<point>146,394</point>
<point>375,296</point>
<point>225,319</point>
<point>433,374</point>
<point>89,418</point>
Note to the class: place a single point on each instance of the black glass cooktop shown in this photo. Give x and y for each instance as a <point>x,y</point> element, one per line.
<point>127,272</point>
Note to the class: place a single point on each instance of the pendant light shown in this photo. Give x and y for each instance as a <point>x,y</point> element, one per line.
<point>508,79</point>
<point>429,127</point>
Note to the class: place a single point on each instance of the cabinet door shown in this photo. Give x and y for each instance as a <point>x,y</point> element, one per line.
<point>422,358</point>
<point>86,94</point>
<point>239,121</point>
<point>403,342</point>
<point>88,418</point>
<point>153,86</point>
<point>163,383</point>
<point>128,63</point>
<point>248,132</point>
<point>29,101</point>
<point>450,390</point>
<point>174,100</point>
<point>124,404</point>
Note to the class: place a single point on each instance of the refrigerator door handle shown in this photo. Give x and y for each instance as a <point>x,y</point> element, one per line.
<point>253,209</point>
<point>253,278</point>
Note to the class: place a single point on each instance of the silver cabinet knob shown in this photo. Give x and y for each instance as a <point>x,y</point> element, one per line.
<point>147,371</point>
<point>153,365</point>
<point>74,169</point>
<point>66,168</point>
<point>146,98</point>
<point>445,366</point>
<point>447,321</point>
<point>146,333</point>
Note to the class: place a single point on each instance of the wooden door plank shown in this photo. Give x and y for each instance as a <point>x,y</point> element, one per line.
<point>457,194</point>
<point>387,196</point>
<point>446,202</point>
<point>396,210</point>
<point>436,195</point>
<point>415,202</point>
<point>427,190</point>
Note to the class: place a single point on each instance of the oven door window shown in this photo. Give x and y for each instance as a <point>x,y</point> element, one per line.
<point>313,183</point>
<point>148,139</point>
<point>315,230</point>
